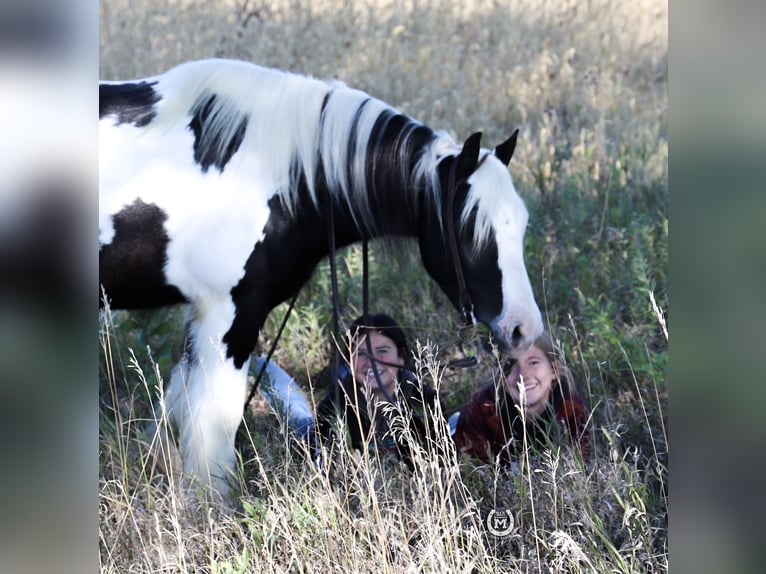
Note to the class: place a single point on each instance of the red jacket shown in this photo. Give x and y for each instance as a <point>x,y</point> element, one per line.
<point>489,426</point>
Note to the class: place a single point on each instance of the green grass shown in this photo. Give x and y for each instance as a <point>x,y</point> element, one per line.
<point>587,86</point>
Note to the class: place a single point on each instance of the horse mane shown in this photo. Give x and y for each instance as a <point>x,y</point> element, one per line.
<point>291,129</point>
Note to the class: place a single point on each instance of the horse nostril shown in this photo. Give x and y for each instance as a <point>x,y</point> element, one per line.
<point>516,337</point>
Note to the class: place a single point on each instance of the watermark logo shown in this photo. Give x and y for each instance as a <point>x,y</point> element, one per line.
<point>500,522</point>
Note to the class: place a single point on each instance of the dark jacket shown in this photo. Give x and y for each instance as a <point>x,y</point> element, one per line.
<point>490,425</point>
<point>415,405</point>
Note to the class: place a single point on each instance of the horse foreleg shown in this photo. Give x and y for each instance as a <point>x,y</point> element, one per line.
<point>204,400</point>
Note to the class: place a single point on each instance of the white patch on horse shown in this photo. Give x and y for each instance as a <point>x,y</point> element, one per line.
<point>212,226</point>
<point>508,217</point>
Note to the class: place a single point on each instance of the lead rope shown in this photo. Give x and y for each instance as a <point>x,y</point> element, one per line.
<point>271,352</point>
<point>365,313</point>
<point>335,302</point>
<point>365,278</point>
<point>464,298</point>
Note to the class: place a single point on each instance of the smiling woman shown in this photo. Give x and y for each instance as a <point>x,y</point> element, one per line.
<point>374,395</point>
<point>534,396</point>
<point>378,375</point>
<point>377,368</point>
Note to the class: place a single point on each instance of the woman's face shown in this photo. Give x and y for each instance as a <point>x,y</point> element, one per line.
<point>385,350</point>
<point>530,380</point>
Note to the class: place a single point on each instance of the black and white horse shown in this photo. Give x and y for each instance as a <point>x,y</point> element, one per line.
<point>217,182</point>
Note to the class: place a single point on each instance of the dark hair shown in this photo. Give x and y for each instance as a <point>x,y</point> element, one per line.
<point>384,325</point>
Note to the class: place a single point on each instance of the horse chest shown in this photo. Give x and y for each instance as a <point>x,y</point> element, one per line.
<point>162,217</point>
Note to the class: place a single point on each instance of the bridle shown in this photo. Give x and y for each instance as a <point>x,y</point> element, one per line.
<point>464,297</point>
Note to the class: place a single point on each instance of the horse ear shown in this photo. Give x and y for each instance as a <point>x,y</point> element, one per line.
<point>469,157</point>
<point>504,151</point>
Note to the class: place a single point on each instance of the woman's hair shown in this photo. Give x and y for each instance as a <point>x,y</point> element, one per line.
<point>554,354</point>
<point>384,325</point>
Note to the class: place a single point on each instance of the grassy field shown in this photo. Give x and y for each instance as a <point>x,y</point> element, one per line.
<point>586,83</point>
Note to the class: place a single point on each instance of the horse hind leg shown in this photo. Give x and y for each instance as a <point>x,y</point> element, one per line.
<point>205,399</point>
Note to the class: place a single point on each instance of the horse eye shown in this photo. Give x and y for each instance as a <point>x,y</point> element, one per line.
<point>507,366</point>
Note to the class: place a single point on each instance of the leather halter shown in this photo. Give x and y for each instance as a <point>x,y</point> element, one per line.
<point>464,297</point>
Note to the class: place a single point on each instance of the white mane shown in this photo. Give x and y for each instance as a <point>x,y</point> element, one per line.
<point>293,121</point>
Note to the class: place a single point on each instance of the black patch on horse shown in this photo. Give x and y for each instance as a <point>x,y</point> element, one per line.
<point>395,146</point>
<point>215,142</point>
<point>306,235</point>
<point>131,267</point>
<point>128,103</point>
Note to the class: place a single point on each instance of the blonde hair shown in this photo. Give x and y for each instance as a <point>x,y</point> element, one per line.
<point>555,355</point>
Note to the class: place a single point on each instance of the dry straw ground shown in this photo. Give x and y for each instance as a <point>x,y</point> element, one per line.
<point>586,82</point>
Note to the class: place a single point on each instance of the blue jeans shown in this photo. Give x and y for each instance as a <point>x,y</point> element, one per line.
<point>286,398</point>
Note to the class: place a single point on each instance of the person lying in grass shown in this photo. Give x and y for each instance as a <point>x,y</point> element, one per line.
<point>379,393</point>
<point>534,394</point>
<point>376,396</point>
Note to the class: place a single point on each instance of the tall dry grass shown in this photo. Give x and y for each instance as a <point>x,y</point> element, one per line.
<point>363,513</point>
<point>587,85</point>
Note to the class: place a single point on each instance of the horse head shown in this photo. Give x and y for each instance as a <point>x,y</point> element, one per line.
<point>479,234</point>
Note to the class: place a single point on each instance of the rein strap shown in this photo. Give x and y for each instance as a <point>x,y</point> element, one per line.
<point>271,352</point>
<point>464,297</point>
